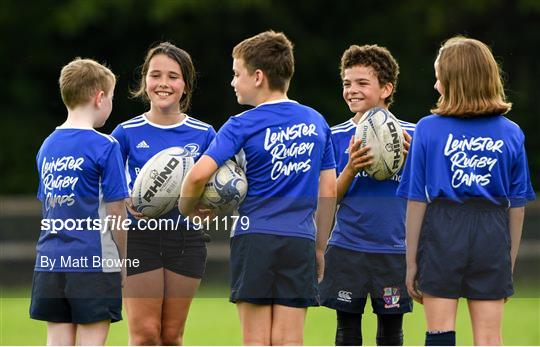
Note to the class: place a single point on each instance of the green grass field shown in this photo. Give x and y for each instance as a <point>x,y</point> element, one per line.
<point>213,321</point>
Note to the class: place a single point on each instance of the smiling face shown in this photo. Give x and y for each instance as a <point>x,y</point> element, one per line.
<point>164,84</point>
<point>361,89</point>
<point>244,83</point>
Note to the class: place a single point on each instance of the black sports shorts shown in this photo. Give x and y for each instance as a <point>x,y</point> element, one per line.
<point>76,297</point>
<point>349,277</point>
<point>464,251</point>
<point>270,269</point>
<point>182,252</point>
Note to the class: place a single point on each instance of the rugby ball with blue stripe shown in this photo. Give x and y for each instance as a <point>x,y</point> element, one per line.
<point>226,189</point>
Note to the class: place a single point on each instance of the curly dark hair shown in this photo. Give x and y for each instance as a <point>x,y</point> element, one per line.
<point>377,57</point>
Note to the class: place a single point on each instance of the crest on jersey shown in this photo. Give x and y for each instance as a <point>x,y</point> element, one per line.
<point>193,148</point>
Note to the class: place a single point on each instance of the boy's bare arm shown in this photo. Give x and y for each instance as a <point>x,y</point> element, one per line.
<point>194,182</point>
<point>117,209</point>
<point>325,215</point>
<point>358,159</point>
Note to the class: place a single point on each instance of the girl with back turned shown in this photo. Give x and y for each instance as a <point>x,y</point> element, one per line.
<point>467,181</point>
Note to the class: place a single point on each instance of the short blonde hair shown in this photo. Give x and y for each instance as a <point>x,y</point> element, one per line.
<point>270,52</point>
<point>471,80</point>
<point>81,79</point>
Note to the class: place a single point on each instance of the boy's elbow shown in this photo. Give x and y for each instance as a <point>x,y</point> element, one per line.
<point>196,178</point>
<point>201,172</point>
<point>328,185</point>
<point>328,191</point>
<point>116,208</point>
<point>194,183</point>
<point>331,190</point>
<point>182,208</point>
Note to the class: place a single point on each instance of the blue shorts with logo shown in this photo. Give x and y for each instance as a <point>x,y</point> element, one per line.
<point>76,297</point>
<point>349,277</point>
<point>464,251</point>
<point>270,269</point>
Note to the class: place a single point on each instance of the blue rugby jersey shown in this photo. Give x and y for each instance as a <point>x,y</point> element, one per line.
<point>140,140</point>
<point>458,159</point>
<point>370,217</point>
<point>282,146</point>
<point>79,170</point>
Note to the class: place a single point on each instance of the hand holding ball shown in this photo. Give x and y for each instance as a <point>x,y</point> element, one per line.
<point>379,129</point>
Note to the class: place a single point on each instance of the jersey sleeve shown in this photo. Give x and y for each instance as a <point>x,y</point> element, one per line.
<point>210,135</point>
<point>113,176</point>
<point>413,179</point>
<point>336,144</point>
<point>520,186</point>
<point>329,158</point>
<point>40,193</point>
<point>120,135</point>
<point>227,142</point>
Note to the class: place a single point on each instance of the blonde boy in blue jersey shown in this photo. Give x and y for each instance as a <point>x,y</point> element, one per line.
<point>77,278</point>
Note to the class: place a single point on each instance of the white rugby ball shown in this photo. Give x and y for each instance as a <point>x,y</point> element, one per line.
<point>157,187</point>
<point>379,129</point>
<point>226,189</point>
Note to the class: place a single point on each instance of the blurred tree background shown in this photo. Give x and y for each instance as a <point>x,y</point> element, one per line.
<point>39,37</point>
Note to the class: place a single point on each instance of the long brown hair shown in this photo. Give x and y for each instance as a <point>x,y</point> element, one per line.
<point>470,79</point>
<point>186,66</point>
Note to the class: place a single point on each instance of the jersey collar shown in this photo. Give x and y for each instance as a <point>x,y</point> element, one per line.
<point>277,102</point>
<point>165,126</point>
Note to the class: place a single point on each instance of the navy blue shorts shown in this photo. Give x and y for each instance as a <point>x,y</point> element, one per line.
<point>464,251</point>
<point>349,276</point>
<point>76,297</point>
<point>270,269</point>
<point>182,252</point>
